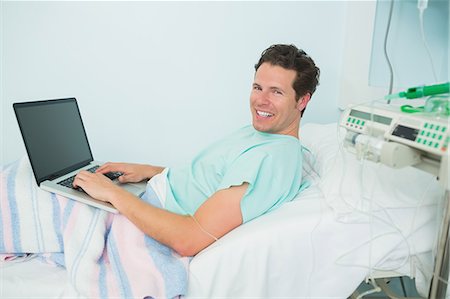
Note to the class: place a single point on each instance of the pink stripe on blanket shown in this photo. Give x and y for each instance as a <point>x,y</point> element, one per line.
<point>63,201</point>
<point>143,275</point>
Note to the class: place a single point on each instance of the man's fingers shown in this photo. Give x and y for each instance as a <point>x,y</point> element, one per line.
<point>124,178</point>
<point>104,168</point>
<point>109,167</point>
<point>81,177</point>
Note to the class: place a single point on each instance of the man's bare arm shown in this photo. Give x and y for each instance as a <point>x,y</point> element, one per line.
<point>217,215</point>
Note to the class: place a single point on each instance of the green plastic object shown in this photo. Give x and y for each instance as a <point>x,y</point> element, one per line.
<point>438,105</point>
<point>421,91</point>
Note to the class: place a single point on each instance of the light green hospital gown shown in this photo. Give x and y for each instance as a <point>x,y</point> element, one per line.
<point>270,163</point>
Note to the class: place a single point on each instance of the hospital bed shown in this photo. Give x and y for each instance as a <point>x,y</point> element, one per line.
<point>358,220</point>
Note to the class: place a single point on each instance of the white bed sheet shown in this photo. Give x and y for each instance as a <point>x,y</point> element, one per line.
<point>295,251</point>
<point>300,250</point>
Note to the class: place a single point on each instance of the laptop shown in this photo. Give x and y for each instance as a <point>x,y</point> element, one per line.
<point>58,148</point>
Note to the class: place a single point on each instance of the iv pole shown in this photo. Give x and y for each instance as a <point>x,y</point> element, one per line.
<point>438,286</point>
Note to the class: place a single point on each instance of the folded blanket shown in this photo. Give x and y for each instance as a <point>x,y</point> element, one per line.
<point>105,255</point>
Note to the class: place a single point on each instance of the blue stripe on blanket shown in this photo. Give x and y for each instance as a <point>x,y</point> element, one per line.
<point>67,211</point>
<point>11,191</point>
<point>169,267</point>
<point>85,245</point>
<point>57,220</point>
<point>102,272</point>
<point>56,258</point>
<point>37,221</point>
<point>103,289</point>
<point>59,259</point>
<point>125,290</point>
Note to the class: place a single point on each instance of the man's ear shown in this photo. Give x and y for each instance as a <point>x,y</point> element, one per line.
<point>303,101</point>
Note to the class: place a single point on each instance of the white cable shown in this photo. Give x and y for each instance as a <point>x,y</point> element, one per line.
<point>204,230</point>
<point>371,215</point>
<point>376,289</point>
<point>391,223</point>
<point>386,56</point>
<point>422,5</point>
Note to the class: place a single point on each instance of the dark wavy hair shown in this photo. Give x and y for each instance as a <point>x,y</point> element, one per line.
<point>292,58</point>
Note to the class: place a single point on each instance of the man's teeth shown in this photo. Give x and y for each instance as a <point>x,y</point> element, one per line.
<point>264,114</point>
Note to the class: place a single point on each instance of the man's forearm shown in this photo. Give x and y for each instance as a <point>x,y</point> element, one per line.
<point>180,232</point>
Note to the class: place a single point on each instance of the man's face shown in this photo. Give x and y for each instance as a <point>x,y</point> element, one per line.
<point>272,101</point>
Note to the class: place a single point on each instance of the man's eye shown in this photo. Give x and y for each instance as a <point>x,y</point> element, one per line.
<point>256,87</point>
<point>278,92</point>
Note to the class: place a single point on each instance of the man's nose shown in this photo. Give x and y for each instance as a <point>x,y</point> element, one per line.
<point>263,98</point>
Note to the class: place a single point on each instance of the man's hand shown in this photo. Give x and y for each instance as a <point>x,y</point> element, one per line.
<point>132,173</point>
<point>96,185</point>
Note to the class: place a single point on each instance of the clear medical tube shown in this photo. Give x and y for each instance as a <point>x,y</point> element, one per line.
<point>202,229</point>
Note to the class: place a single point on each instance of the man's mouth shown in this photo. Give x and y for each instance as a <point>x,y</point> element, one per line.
<point>263,113</point>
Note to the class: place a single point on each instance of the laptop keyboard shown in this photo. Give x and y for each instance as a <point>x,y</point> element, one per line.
<point>69,181</point>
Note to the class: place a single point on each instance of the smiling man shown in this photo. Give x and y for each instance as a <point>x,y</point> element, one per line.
<point>284,81</point>
<point>241,177</point>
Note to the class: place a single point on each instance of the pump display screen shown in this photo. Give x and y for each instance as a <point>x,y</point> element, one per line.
<point>405,132</point>
<point>374,117</point>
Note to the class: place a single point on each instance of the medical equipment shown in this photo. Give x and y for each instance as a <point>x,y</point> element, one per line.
<point>421,91</point>
<point>382,133</point>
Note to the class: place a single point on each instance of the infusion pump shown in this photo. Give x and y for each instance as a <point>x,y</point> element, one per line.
<point>420,131</point>
<point>383,133</point>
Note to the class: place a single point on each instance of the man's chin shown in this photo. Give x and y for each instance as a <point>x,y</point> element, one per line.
<point>260,128</point>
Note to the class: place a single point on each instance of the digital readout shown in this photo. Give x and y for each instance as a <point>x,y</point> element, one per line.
<point>373,117</point>
<point>405,132</point>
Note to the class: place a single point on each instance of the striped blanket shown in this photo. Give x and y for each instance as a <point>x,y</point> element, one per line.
<point>105,255</point>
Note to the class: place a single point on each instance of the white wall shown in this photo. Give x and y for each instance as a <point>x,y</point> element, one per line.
<point>157,81</point>
<point>365,74</point>
<point>354,82</point>
<point>410,61</point>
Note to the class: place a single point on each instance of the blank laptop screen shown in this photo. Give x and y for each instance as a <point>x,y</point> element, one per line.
<point>54,136</point>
